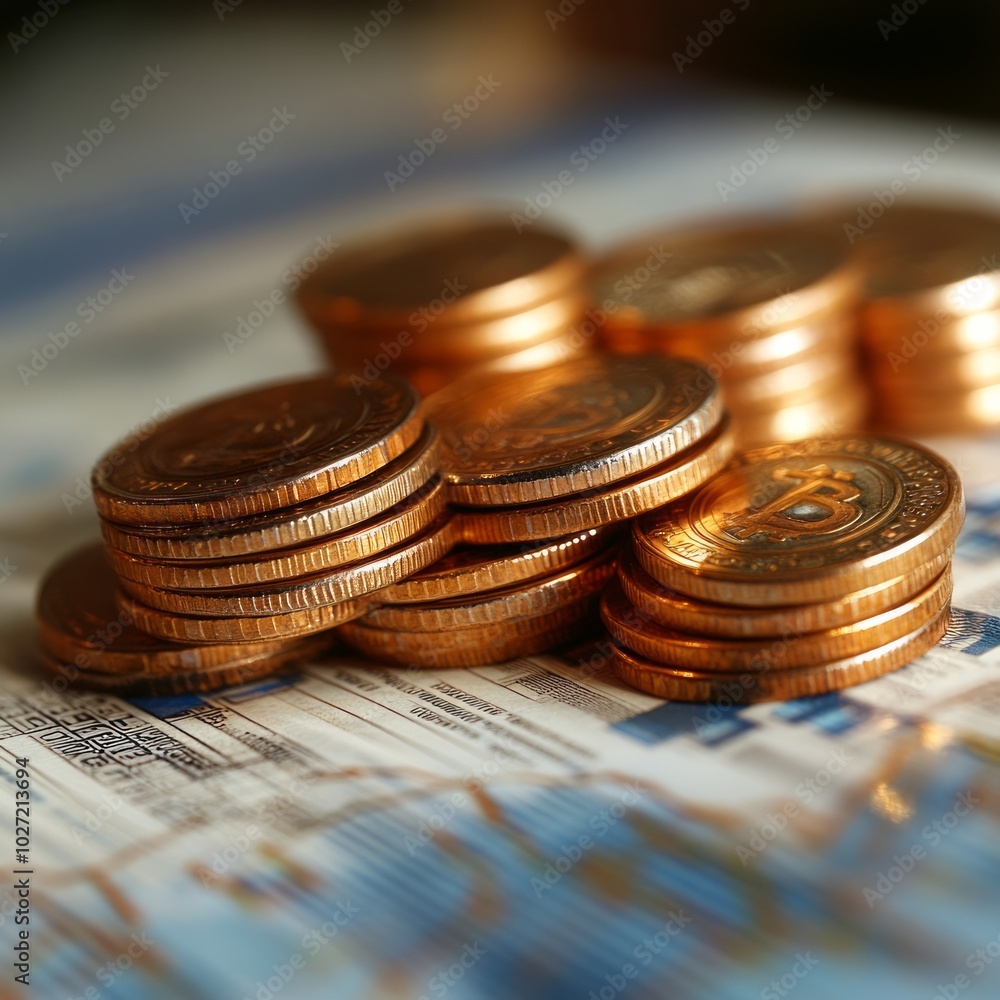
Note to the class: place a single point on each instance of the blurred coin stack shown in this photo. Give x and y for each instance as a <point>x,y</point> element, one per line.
<point>557,454</point>
<point>768,309</point>
<point>434,302</point>
<point>800,569</point>
<point>272,514</point>
<point>931,319</point>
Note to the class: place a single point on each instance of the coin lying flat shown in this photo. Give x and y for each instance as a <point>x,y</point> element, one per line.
<point>317,518</point>
<point>804,522</point>
<point>472,569</point>
<point>81,624</point>
<point>624,500</point>
<point>539,597</point>
<point>363,541</point>
<point>687,651</point>
<point>578,426</point>
<point>269,447</point>
<point>690,685</point>
<point>470,647</point>
<point>345,583</point>
<point>685,614</point>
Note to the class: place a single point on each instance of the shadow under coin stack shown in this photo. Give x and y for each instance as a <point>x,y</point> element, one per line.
<point>800,569</point>
<point>435,302</point>
<point>560,454</point>
<point>768,309</point>
<point>931,320</point>
<point>272,514</point>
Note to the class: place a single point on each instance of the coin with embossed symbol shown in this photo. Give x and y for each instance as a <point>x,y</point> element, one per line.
<point>577,426</point>
<point>805,522</point>
<point>265,448</point>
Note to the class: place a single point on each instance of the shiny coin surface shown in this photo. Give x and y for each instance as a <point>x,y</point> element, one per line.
<point>677,684</point>
<point>362,541</point>
<point>346,583</point>
<point>688,651</point>
<point>470,647</point>
<point>81,624</point>
<point>317,518</point>
<point>929,414</point>
<point>685,614</point>
<point>824,416</point>
<point>524,600</point>
<point>648,491</point>
<point>578,426</point>
<point>472,569</point>
<point>805,522</point>
<point>262,449</point>
<point>467,269</point>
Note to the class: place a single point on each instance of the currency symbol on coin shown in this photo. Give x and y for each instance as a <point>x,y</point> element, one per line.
<point>820,502</point>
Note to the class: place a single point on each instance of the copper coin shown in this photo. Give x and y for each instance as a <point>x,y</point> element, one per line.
<point>80,623</point>
<point>317,518</point>
<point>638,495</point>
<point>931,337</point>
<point>805,522</point>
<point>677,684</point>
<point>685,614</point>
<point>471,647</point>
<point>688,651</point>
<point>939,373</point>
<point>467,269</point>
<point>577,426</point>
<point>929,414</point>
<point>472,569</point>
<point>825,374</point>
<point>363,541</point>
<point>523,600</point>
<point>259,450</point>
<point>345,583</point>
<point>842,413</point>
<point>292,624</point>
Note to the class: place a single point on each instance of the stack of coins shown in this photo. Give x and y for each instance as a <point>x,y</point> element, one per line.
<point>272,514</point>
<point>769,309</point>
<point>931,319</point>
<point>799,569</point>
<point>434,302</point>
<point>558,454</point>
<point>91,639</point>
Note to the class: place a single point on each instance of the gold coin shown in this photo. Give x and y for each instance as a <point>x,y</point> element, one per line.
<point>477,646</point>
<point>262,449</point>
<point>804,522</point>
<point>826,374</point>
<point>317,518</point>
<point>584,424</point>
<point>932,336</point>
<point>732,688</point>
<point>191,628</point>
<point>939,373</point>
<point>345,583</point>
<point>648,491</point>
<point>821,417</point>
<point>504,605</point>
<point>687,651</point>
<point>463,270</point>
<point>685,614</point>
<point>472,569</point>
<point>930,414</point>
<point>80,623</point>
<point>362,541</point>
<point>764,277</point>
